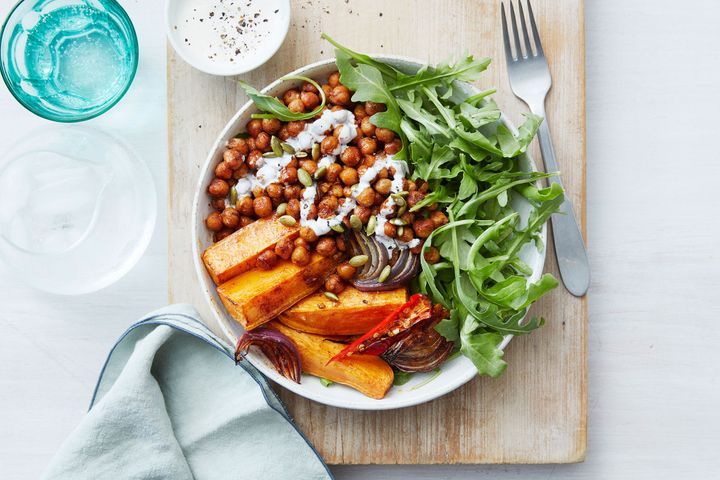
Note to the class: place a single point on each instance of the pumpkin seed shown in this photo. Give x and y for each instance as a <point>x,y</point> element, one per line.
<point>304,177</point>
<point>269,155</point>
<point>287,220</point>
<point>276,147</point>
<point>320,172</point>
<point>372,223</point>
<point>233,196</point>
<point>401,211</point>
<point>331,296</point>
<point>355,222</point>
<point>288,148</point>
<point>398,222</point>
<point>338,228</point>
<point>281,209</point>
<point>399,200</point>
<point>301,155</point>
<point>316,151</point>
<point>384,274</point>
<point>400,231</point>
<point>358,260</point>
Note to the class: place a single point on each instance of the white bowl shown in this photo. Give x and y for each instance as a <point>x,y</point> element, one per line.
<point>194,28</point>
<point>422,387</point>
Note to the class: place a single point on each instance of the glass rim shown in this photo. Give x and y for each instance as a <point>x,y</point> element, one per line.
<point>42,113</point>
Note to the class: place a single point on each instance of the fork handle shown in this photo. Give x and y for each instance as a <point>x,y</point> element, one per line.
<point>569,247</point>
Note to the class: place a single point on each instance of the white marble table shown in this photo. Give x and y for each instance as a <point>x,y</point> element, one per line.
<point>653,71</point>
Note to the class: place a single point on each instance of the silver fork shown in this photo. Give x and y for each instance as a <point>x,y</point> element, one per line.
<point>530,81</point>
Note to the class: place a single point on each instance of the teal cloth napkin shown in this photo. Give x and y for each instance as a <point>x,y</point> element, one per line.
<point>171,404</point>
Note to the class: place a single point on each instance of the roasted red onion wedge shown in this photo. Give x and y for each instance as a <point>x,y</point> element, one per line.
<point>404,264</point>
<point>278,348</point>
<point>421,350</point>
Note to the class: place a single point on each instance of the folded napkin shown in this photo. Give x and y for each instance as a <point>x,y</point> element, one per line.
<point>171,404</point>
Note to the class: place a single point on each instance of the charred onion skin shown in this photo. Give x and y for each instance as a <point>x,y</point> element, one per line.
<point>422,350</point>
<point>405,265</point>
<point>278,348</point>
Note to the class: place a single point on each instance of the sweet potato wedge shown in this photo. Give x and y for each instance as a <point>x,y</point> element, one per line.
<point>366,373</point>
<point>355,313</point>
<point>238,252</point>
<point>257,296</point>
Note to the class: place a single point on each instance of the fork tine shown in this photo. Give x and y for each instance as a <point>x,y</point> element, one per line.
<point>535,33</point>
<point>526,37</point>
<point>518,51</point>
<point>506,37</point>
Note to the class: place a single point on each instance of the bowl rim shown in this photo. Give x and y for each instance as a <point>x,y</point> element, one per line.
<point>225,72</point>
<point>132,36</point>
<point>367,404</point>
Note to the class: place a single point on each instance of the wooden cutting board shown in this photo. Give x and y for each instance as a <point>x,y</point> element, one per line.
<point>534,413</point>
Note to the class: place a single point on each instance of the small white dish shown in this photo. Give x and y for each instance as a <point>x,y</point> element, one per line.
<point>226,37</point>
<point>423,387</point>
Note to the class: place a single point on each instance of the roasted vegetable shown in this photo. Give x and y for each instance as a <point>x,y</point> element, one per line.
<point>238,252</point>
<point>397,268</point>
<point>257,296</point>
<point>368,374</point>
<point>354,313</point>
<point>395,327</point>
<point>278,348</point>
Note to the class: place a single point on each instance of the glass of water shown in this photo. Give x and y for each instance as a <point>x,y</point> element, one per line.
<point>68,60</point>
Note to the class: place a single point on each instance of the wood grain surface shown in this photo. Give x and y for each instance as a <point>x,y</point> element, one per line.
<point>534,413</point>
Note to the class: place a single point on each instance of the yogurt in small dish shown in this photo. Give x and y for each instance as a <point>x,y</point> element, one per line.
<point>227,37</point>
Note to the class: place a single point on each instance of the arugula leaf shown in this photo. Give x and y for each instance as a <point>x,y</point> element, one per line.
<point>384,68</point>
<point>466,70</point>
<point>401,378</point>
<point>482,349</point>
<point>274,108</point>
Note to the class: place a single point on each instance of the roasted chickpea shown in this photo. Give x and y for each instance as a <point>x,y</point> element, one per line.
<point>218,188</point>
<point>223,171</point>
<point>390,230</point>
<point>351,156</point>
<point>359,111</point>
<point>224,233</point>
<point>366,197</point>
<point>372,108</point>
<point>294,128</point>
<point>214,222</point>
<point>363,213</point>
<point>241,172</point>
<point>254,127</point>
<point>309,166</point>
<point>391,148</point>
<point>232,158</point>
<point>300,256</point>
<point>340,243</point>
<point>385,135</point>
<point>284,248</point>
<point>407,235</point>
<point>326,246</point>
<point>253,159</point>
<point>340,95</point>
<point>383,186</point>
<point>349,176</point>
<point>347,192</point>
<point>293,208</point>
<point>271,125</point>
<point>336,190</point>
<point>263,207</point>
<point>327,89</point>
<point>310,100</point>
<point>245,221</point>
<point>417,248</point>
<point>346,271</point>
<point>238,144</point>
<point>329,145</point>
<point>312,212</point>
<point>309,87</point>
<point>379,199</point>
<point>283,134</point>
<point>332,172</point>
<point>296,106</point>
<point>301,242</point>
<point>230,217</point>
<point>438,218</point>
<point>290,95</point>
<point>334,284</point>
<point>218,204</point>
<point>423,227</point>
<point>244,205</point>
<point>292,191</point>
<point>368,160</point>
<point>258,191</point>
<point>250,143</point>
<point>274,190</point>
<point>414,197</point>
<point>266,260</point>
<point>334,79</point>
<point>432,255</point>
<point>262,141</point>
<point>368,146</point>
<point>308,234</point>
<point>367,128</point>
<point>323,187</point>
<point>327,206</point>
<point>289,175</point>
